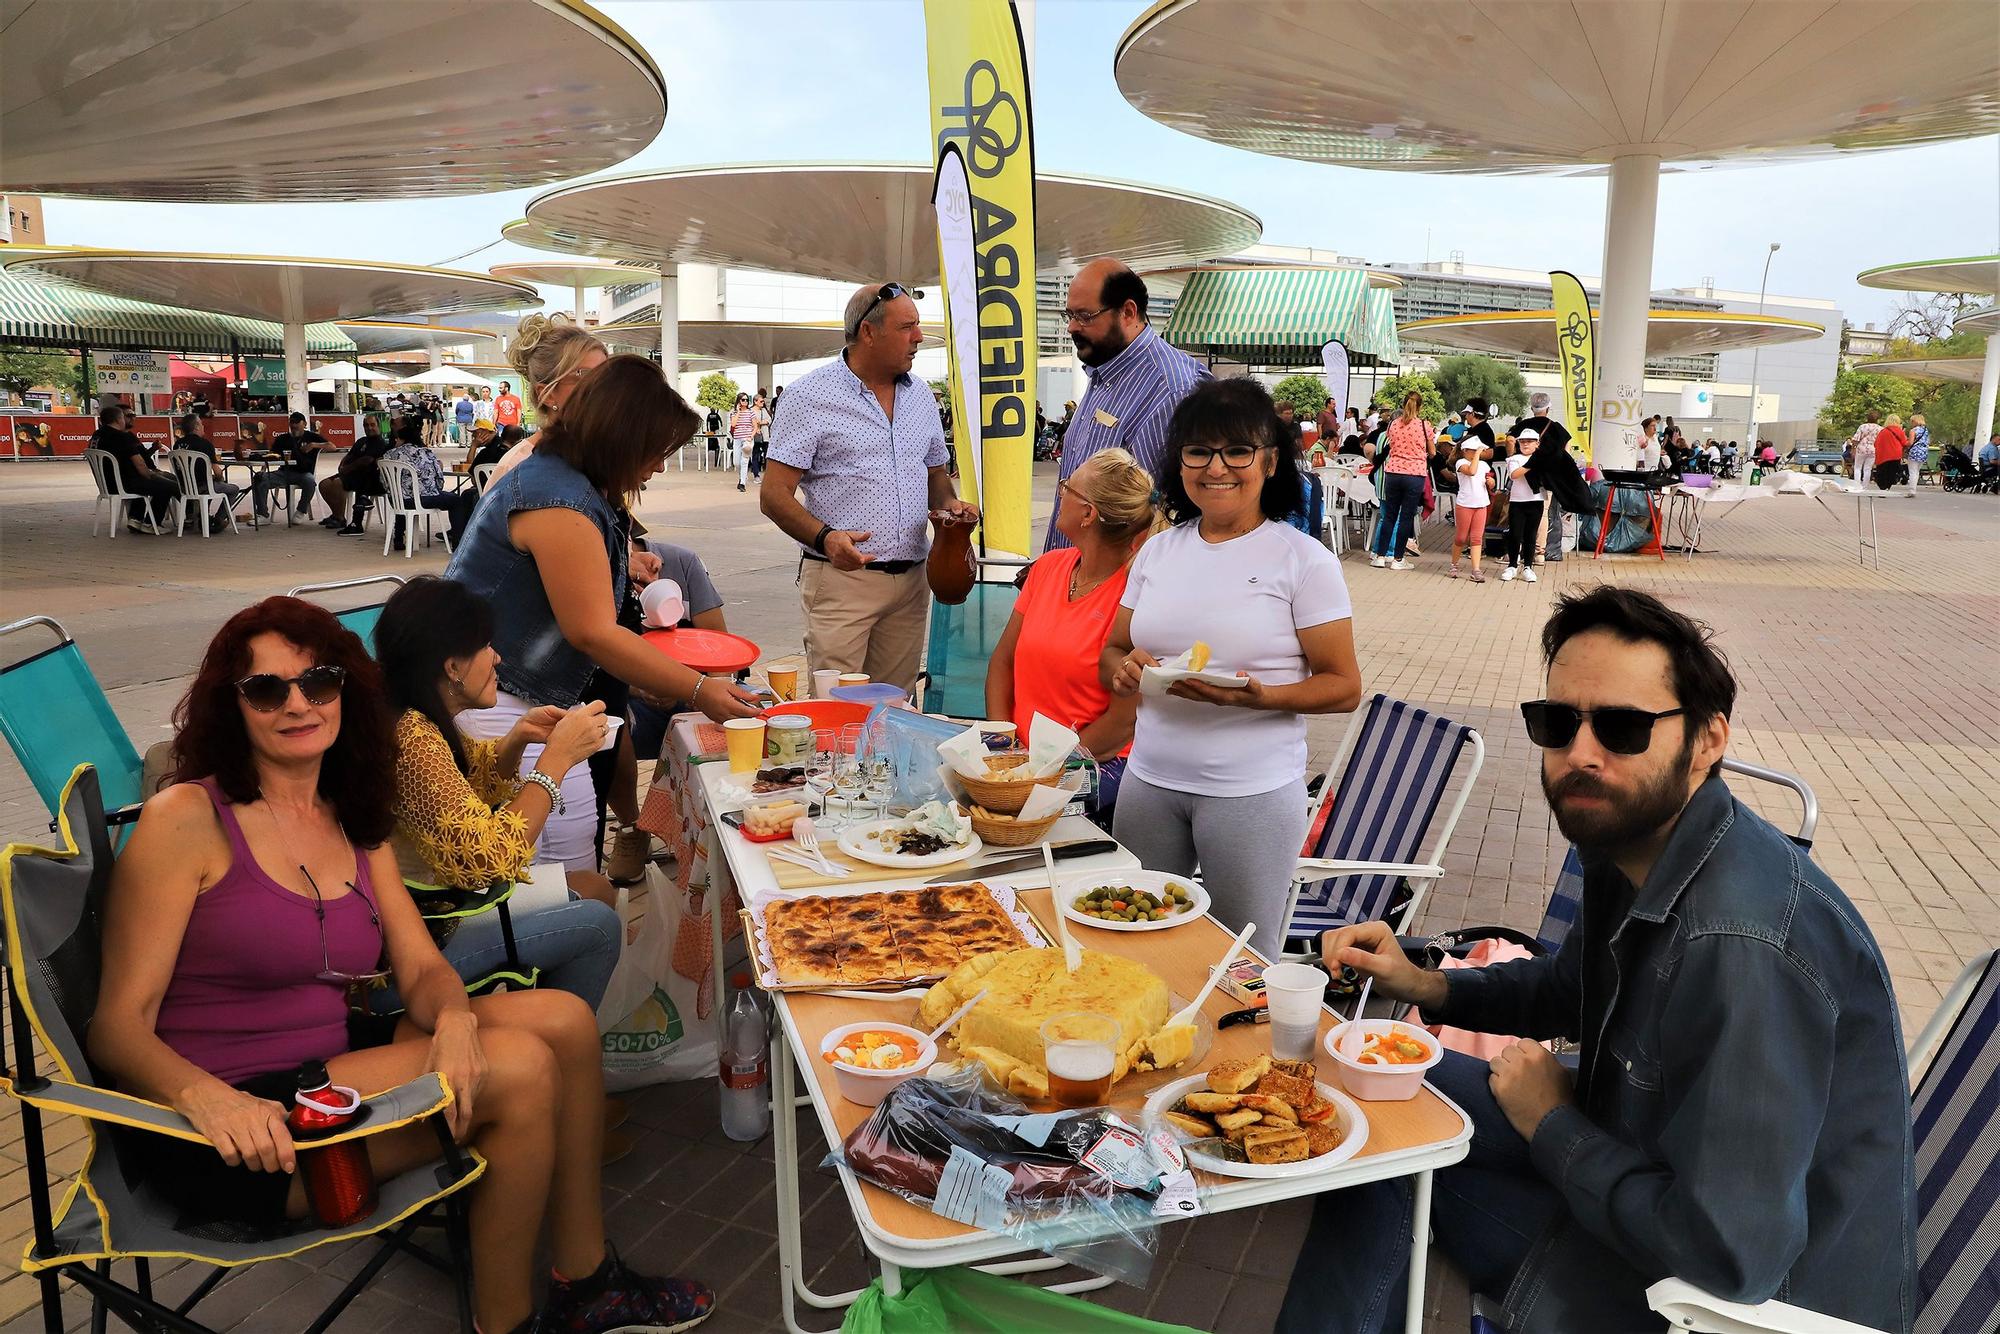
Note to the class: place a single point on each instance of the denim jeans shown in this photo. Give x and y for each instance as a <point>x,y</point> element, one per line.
<point>575,944</point>
<point>1402,499</point>
<point>1352,1272</point>
<point>302,484</point>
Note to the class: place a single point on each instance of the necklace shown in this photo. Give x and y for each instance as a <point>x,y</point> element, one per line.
<point>1076,575</point>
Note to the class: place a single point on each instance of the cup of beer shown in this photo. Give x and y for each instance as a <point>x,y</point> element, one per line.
<point>746,744</point>
<point>784,679</point>
<point>854,678</point>
<point>1080,1050</point>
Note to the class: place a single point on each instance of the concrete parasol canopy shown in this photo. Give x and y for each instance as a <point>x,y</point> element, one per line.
<point>1669,333</point>
<point>262,101</point>
<point>1638,85</point>
<point>292,291</point>
<point>579,275</point>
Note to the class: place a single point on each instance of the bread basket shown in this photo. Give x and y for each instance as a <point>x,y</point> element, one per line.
<point>1006,831</point>
<point>1000,796</point>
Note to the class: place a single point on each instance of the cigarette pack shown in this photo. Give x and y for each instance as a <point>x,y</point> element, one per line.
<point>1244,979</point>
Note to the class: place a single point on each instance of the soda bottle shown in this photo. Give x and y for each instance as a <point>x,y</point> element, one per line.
<point>746,1069</point>
<point>340,1184</point>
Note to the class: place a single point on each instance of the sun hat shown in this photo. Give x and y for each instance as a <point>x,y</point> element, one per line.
<point>1529,433</point>
<point>1477,405</point>
<point>1471,441</point>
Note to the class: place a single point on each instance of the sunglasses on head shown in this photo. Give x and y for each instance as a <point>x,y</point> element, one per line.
<point>267,692</point>
<point>1621,731</point>
<point>887,292</point>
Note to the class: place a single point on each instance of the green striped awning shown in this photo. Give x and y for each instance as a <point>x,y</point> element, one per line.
<point>39,314</point>
<point>1280,316</point>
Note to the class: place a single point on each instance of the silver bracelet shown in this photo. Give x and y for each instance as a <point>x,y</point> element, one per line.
<point>550,786</point>
<point>694,696</point>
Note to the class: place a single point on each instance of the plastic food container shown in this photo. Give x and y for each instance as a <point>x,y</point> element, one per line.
<point>869,1087</point>
<point>1383,1083</point>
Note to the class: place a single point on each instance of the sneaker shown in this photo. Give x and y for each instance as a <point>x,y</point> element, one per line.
<point>1507,575</point>
<point>1529,575</point>
<point>351,530</point>
<point>739,486</point>
<point>1454,570</point>
<point>1401,565</point>
<point>625,858</point>
<point>1477,577</point>
<point>1413,550</point>
<point>616,1299</point>
<point>1376,562</point>
<point>333,521</point>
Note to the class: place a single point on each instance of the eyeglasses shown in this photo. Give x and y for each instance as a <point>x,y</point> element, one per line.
<point>1234,456</point>
<point>354,983</point>
<point>1083,316</point>
<point>887,292</point>
<point>1622,731</point>
<point>267,692</point>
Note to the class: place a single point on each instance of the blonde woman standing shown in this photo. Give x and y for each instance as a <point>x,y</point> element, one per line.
<point>552,354</point>
<point>1047,659</point>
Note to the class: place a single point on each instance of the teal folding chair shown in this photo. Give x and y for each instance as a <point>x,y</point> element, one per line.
<point>55,717</point>
<point>361,620</point>
<point>962,640</point>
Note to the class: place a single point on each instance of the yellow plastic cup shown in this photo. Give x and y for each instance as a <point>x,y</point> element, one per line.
<point>746,743</point>
<point>784,681</point>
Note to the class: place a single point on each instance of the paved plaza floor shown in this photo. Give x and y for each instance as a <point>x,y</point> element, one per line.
<point>1880,687</point>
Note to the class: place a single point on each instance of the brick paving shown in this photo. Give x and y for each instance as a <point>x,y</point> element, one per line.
<point>1877,686</point>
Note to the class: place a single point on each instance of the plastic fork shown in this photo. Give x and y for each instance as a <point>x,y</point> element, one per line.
<point>799,859</point>
<point>806,835</point>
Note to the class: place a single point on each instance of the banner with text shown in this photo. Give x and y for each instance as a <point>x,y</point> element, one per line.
<point>1333,356</point>
<point>1576,355</point>
<point>132,372</point>
<point>958,262</point>
<point>980,110</point>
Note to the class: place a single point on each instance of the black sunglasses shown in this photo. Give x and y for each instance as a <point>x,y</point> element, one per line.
<point>1621,731</point>
<point>1234,456</point>
<point>354,984</point>
<point>267,692</point>
<point>887,292</point>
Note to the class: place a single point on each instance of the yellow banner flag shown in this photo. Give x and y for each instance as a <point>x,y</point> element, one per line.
<point>1576,354</point>
<point>986,242</point>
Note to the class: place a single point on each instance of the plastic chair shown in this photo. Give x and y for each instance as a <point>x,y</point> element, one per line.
<point>53,899</point>
<point>111,493</point>
<point>361,620</point>
<point>1955,1068</point>
<point>482,475</point>
<point>961,641</point>
<point>403,502</point>
<point>194,471</point>
<point>55,717</point>
<point>1394,765</point>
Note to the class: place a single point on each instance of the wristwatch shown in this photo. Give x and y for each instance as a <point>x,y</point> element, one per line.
<point>550,786</point>
<point>819,538</point>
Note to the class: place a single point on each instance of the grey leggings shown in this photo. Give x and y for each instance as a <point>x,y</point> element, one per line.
<point>1244,847</point>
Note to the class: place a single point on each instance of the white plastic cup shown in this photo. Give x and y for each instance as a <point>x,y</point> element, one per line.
<point>1294,992</point>
<point>824,682</point>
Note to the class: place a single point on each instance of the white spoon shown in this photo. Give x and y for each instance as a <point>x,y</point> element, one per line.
<point>1350,1041</point>
<point>1193,1007</point>
<point>956,1015</point>
<point>1072,952</point>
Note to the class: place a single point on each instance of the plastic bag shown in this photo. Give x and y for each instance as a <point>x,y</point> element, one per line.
<point>1080,1185</point>
<point>965,1301</point>
<point>648,1017</point>
<point>914,762</point>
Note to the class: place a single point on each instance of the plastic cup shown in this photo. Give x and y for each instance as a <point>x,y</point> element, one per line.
<point>823,684</point>
<point>1080,1050</point>
<point>1295,993</point>
<point>784,681</point>
<point>746,744</point>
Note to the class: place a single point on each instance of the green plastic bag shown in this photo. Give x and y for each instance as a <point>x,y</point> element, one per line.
<point>965,1301</point>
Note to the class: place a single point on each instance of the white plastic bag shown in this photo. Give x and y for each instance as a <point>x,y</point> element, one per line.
<point>648,1017</point>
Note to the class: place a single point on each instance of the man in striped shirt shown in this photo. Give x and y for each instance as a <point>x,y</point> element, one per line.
<point>1137,378</point>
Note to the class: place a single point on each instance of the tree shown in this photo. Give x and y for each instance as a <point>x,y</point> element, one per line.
<point>1471,375</point>
<point>1306,393</point>
<point>716,392</point>
<point>1856,394</point>
<point>22,370</point>
<point>1389,397</point>
<point>1929,316</point>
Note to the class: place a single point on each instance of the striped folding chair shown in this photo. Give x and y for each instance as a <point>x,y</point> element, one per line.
<point>1395,764</point>
<point>1955,1064</point>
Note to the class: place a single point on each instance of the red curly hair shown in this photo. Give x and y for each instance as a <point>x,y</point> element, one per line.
<point>356,774</point>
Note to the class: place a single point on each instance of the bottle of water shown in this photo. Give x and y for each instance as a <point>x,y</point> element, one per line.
<point>746,1066</point>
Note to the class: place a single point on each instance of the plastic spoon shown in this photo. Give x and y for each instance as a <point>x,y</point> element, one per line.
<point>1193,1007</point>
<point>1072,952</point>
<point>956,1015</point>
<point>1350,1041</point>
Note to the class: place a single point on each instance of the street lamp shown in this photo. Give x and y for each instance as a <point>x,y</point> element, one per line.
<point>1751,445</point>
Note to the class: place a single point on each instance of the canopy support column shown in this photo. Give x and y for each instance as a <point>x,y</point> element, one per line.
<point>1630,214</point>
<point>292,300</point>
<point>1989,387</point>
<point>578,292</point>
<point>670,322</point>
<point>765,371</point>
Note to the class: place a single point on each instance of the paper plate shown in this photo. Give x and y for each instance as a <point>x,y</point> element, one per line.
<point>1153,882</point>
<point>856,844</point>
<point>1353,1124</point>
<point>1155,680</point>
<point>705,650</point>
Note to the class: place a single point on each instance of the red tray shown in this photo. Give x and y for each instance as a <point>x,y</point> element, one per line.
<point>823,713</point>
<point>705,650</point>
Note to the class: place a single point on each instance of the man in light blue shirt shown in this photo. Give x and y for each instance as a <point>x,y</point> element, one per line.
<point>1137,378</point>
<point>855,470</point>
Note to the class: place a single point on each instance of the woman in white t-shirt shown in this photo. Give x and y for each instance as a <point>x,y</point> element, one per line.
<point>1216,776</point>
<point>1475,494</point>
<point>1524,508</point>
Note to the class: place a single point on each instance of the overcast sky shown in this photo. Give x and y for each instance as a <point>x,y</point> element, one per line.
<point>788,80</point>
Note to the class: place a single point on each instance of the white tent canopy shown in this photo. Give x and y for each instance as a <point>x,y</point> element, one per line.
<point>446,376</point>
<point>347,371</point>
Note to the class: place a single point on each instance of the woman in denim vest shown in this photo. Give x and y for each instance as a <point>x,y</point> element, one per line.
<point>549,547</point>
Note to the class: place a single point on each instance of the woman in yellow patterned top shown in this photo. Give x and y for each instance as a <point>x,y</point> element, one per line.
<point>463,820</point>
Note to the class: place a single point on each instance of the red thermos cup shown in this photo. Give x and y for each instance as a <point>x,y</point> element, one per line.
<point>340,1183</point>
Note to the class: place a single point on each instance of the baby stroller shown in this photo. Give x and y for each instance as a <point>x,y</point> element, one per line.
<point>1958,473</point>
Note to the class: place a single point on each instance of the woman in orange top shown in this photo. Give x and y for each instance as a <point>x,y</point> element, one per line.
<point>1046,661</point>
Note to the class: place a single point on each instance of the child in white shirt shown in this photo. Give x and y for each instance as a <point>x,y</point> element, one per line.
<point>1475,495</point>
<point>1524,509</point>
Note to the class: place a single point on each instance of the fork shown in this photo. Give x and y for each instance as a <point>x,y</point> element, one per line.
<point>806,835</point>
<point>799,859</point>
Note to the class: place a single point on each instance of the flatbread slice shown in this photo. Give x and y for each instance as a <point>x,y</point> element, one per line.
<point>869,954</point>
<point>804,949</point>
<point>1323,1137</point>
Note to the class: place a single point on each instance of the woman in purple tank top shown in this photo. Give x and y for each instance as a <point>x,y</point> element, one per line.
<point>256,900</point>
